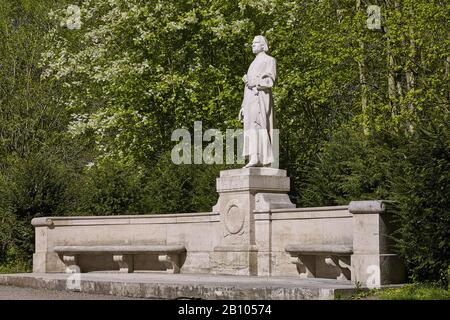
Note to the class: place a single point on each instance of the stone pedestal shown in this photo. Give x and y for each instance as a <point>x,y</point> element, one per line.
<point>241,192</point>
<point>373,262</point>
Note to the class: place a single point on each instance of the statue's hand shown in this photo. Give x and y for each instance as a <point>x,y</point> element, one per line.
<point>255,91</point>
<point>241,115</point>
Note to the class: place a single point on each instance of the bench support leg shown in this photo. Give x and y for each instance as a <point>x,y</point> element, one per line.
<point>342,266</point>
<point>171,261</point>
<point>71,263</point>
<point>306,265</point>
<point>125,262</point>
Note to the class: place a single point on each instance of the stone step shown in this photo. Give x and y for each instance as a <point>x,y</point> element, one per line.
<point>155,285</point>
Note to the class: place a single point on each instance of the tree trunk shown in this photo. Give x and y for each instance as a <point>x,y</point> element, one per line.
<point>363,81</point>
<point>409,72</point>
<point>447,74</point>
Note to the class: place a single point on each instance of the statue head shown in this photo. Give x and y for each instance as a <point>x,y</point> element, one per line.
<point>260,44</point>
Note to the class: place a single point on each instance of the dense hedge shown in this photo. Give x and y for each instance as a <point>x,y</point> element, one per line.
<point>413,170</point>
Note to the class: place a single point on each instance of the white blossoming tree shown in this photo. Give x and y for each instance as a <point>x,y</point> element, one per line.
<point>136,70</point>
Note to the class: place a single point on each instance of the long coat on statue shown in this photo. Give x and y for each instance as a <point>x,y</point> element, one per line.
<point>258,108</point>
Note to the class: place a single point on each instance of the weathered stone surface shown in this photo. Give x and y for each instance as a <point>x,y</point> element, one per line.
<point>24,293</point>
<point>376,270</point>
<point>313,227</point>
<point>195,231</point>
<point>246,234</point>
<point>253,180</point>
<point>308,259</point>
<point>369,206</point>
<point>257,112</point>
<point>255,171</point>
<point>319,249</point>
<point>373,263</point>
<point>176,286</point>
<point>269,201</point>
<point>241,193</point>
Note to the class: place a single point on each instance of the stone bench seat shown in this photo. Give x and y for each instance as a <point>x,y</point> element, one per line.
<point>123,254</point>
<point>336,256</point>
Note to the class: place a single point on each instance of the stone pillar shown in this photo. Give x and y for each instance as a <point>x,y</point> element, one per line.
<point>373,263</point>
<point>241,192</point>
<point>42,259</point>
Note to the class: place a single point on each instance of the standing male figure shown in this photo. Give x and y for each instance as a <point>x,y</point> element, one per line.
<point>257,107</point>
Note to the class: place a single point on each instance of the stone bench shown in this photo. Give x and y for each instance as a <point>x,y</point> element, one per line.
<point>337,256</point>
<point>123,255</point>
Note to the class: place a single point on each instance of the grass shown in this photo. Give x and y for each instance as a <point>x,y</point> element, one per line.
<point>17,267</point>
<point>416,291</point>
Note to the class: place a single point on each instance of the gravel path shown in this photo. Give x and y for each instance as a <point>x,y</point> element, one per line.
<point>17,293</point>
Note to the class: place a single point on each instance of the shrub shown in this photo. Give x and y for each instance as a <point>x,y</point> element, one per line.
<point>419,183</point>
<point>412,169</point>
<point>117,187</point>
<point>415,291</point>
<point>30,187</point>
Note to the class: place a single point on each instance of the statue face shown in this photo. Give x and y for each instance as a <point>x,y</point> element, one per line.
<point>257,46</point>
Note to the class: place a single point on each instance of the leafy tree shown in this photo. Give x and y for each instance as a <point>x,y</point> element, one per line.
<point>419,184</point>
<point>36,160</point>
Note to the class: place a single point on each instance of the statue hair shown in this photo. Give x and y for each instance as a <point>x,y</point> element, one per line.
<point>264,42</point>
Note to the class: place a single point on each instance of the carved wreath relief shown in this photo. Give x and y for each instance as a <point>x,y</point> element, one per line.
<point>234,218</point>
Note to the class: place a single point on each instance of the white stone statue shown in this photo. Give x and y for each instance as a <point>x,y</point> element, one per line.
<point>257,112</point>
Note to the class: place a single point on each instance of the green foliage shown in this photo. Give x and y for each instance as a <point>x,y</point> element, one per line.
<point>29,116</point>
<point>34,155</point>
<point>115,187</point>
<point>363,294</point>
<point>351,166</point>
<point>137,70</point>
<point>29,187</point>
<point>183,61</point>
<point>181,188</point>
<point>416,291</point>
<point>108,189</point>
<point>412,170</point>
<point>419,184</point>
<point>16,262</point>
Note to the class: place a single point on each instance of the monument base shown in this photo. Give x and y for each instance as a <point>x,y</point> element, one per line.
<point>235,260</point>
<point>242,193</point>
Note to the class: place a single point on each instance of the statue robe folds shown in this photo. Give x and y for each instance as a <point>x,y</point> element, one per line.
<point>258,108</point>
